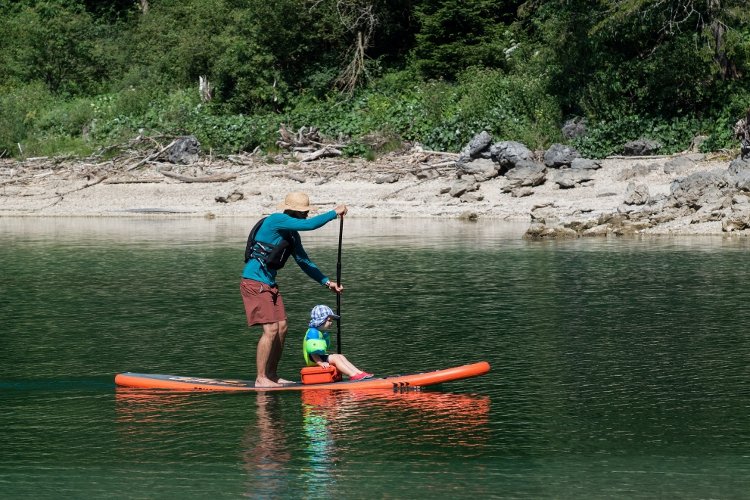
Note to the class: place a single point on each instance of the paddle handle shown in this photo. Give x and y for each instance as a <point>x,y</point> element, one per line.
<point>338,282</point>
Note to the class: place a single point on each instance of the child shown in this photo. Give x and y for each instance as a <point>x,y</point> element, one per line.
<point>317,342</point>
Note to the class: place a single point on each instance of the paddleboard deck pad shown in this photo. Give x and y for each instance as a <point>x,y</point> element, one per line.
<point>396,382</point>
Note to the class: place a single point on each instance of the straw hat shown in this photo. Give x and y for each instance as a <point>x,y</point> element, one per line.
<point>297,201</point>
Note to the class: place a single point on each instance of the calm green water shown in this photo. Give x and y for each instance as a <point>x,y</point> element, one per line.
<point>620,367</point>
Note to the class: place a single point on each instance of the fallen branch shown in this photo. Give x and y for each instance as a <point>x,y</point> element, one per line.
<point>14,180</point>
<point>150,158</point>
<point>207,178</point>
<point>321,153</point>
<point>450,163</point>
<point>651,157</point>
<point>154,180</point>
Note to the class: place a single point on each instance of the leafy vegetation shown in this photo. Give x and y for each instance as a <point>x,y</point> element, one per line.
<point>79,75</point>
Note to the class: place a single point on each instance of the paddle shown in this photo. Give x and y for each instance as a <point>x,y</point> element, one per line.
<point>338,295</point>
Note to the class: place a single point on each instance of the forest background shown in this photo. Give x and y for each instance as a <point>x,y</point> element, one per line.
<point>77,76</point>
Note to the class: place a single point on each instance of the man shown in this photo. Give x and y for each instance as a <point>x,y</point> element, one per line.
<point>270,244</point>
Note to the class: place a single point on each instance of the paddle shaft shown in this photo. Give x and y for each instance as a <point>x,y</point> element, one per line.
<point>338,282</point>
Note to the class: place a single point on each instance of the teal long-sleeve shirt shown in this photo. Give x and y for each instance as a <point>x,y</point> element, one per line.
<point>270,232</point>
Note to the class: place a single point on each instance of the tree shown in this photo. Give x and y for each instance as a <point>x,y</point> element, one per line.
<point>458,34</point>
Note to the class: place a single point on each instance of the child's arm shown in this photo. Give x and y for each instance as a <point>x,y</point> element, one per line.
<point>319,361</point>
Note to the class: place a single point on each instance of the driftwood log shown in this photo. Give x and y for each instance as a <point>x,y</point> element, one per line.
<point>151,157</point>
<point>206,178</point>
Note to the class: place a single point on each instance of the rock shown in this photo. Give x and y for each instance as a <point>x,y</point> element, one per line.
<point>231,197</point>
<point>575,127</point>
<point>738,221</point>
<point>641,147</point>
<point>481,169</point>
<point>742,181</point>
<point>677,165</point>
<point>525,173</point>
<point>585,164</point>
<point>737,166</point>
<point>508,153</point>
<point>600,230</point>
<point>185,151</point>
<point>521,192</point>
<point>387,179</point>
<point>698,189</point>
<point>295,176</point>
<point>471,197</point>
<point>559,155</point>
<point>427,174</point>
<point>636,194</point>
<point>475,147</point>
<point>630,227</point>
<point>569,178</point>
<point>462,186</point>
<point>468,215</point>
<point>539,231</point>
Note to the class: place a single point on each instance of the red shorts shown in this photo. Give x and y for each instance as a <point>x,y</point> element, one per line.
<point>263,303</point>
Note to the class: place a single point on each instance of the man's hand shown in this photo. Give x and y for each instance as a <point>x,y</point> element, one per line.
<point>341,210</point>
<point>323,364</point>
<point>332,286</point>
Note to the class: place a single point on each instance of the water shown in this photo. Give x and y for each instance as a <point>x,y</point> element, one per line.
<point>619,367</point>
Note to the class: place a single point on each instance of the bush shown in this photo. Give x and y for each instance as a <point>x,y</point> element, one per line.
<point>20,109</point>
<point>607,137</point>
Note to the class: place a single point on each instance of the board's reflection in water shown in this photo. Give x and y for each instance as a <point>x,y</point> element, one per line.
<point>292,447</point>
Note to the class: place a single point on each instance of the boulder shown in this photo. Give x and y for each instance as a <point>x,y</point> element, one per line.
<point>185,151</point>
<point>540,231</point>
<point>526,173</point>
<point>737,221</point>
<point>481,169</point>
<point>585,164</point>
<point>636,194</point>
<point>575,127</point>
<point>386,179</point>
<point>508,153</point>
<point>737,166</point>
<point>463,185</point>
<point>698,189</point>
<point>475,147</point>
<point>560,155</point>
<point>641,147</point>
<point>569,178</point>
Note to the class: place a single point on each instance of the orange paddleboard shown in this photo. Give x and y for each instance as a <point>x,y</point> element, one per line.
<point>178,383</point>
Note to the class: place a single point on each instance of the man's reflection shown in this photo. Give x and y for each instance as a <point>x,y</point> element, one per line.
<point>264,449</point>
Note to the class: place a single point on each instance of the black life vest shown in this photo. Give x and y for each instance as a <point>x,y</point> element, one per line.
<point>272,256</point>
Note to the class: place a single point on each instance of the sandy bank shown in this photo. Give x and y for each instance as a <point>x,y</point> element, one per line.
<point>392,186</point>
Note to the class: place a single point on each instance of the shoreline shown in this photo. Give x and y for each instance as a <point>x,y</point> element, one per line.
<point>414,185</point>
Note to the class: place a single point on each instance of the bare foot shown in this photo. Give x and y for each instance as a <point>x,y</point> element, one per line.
<point>265,382</point>
<point>280,380</point>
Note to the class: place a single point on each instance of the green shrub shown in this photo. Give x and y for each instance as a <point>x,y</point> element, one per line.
<point>720,129</point>
<point>605,138</point>
<point>20,109</point>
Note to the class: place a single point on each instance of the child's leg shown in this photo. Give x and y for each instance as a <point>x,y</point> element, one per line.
<point>343,365</point>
